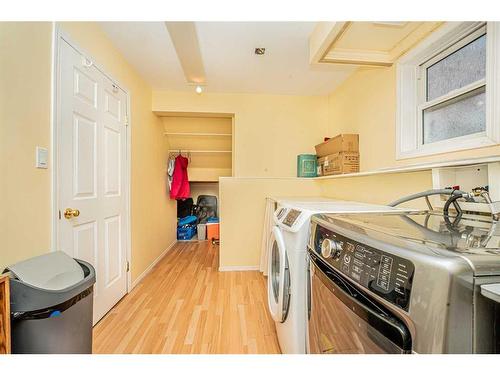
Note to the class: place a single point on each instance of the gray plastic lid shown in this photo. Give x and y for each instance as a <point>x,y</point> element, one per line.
<point>491,291</point>
<point>52,271</point>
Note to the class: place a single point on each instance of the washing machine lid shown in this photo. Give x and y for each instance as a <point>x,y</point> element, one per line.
<point>293,216</point>
<point>278,279</point>
<point>292,200</point>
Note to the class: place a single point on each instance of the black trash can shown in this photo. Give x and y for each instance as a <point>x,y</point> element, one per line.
<point>51,305</point>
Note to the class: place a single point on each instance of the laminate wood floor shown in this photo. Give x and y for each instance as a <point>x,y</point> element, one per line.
<point>185,305</point>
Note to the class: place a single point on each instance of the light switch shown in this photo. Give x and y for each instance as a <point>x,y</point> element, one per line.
<point>42,156</point>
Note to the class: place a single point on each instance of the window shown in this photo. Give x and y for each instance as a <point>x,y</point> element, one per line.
<point>446,91</point>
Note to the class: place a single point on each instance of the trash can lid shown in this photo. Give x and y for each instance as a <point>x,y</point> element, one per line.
<point>53,271</point>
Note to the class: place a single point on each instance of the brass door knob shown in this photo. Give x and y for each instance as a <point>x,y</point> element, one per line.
<point>70,212</point>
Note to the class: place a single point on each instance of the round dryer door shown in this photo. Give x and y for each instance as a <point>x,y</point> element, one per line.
<point>278,278</point>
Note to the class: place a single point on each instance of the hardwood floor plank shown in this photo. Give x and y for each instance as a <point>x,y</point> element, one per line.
<point>195,317</point>
<point>185,305</point>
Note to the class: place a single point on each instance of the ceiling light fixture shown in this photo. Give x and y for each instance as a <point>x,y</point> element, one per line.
<point>198,89</point>
<point>260,51</point>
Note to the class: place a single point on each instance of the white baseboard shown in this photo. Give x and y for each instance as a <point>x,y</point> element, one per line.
<point>148,270</point>
<point>238,268</point>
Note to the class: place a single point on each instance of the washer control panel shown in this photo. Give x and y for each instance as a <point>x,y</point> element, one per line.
<point>387,275</point>
<point>291,217</point>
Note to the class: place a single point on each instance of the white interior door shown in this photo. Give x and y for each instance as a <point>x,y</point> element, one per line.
<point>92,152</point>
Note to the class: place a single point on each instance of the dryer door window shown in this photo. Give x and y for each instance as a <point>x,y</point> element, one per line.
<point>278,278</point>
<point>275,271</point>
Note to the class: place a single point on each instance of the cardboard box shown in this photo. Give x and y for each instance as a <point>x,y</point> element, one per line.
<point>339,163</point>
<point>340,143</point>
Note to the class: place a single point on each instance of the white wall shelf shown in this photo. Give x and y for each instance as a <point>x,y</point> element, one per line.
<point>199,134</point>
<point>208,140</point>
<point>201,151</point>
<point>416,167</point>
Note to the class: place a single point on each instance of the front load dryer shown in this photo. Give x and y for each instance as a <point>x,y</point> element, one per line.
<point>287,265</point>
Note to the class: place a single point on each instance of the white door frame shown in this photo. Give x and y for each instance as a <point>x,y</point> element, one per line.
<point>57,35</point>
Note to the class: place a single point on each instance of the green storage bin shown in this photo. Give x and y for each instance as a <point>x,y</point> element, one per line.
<point>307,165</point>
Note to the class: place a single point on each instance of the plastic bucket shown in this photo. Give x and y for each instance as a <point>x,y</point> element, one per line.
<point>202,232</point>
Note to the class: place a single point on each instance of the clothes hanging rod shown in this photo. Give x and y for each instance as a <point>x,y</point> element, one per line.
<point>200,134</point>
<point>200,151</point>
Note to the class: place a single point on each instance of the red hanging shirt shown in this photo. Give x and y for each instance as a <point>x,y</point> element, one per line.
<point>180,183</point>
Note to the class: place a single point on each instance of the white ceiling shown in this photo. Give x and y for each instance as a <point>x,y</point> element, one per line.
<point>375,36</point>
<point>227,49</point>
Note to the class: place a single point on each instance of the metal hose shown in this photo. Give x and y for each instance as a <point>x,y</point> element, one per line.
<point>452,200</point>
<point>424,194</point>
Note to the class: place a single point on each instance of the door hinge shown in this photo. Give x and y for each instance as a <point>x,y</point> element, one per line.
<point>128,266</point>
<point>126,121</point>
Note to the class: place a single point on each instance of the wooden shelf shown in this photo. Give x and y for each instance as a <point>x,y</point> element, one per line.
<point>208,174</point>
<point>199,134</point>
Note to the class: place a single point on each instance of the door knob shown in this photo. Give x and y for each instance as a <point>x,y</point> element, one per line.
<point>70,212</point>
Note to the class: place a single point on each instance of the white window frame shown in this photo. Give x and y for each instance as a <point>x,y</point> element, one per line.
<point>411,83</point>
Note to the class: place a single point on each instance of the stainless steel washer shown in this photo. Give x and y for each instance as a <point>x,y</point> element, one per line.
<point>402,283</point>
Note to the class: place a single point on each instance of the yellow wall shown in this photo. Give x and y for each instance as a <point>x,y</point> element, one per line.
<point>269,130</point>
<point>242,204</point>
<point>378,189</point>
<point>25,80</point>
<point>366,104</point>
<point>204,188</point>
<point>25,57</point>
<point>242,207</point>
